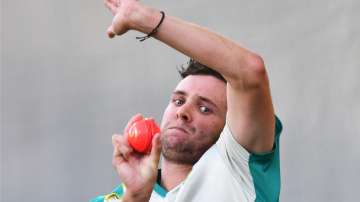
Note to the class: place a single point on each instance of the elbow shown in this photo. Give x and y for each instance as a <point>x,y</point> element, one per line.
<point>255,65</point>
<point>251,73</point>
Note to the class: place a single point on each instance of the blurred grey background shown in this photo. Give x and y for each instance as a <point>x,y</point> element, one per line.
<point>66,88</point>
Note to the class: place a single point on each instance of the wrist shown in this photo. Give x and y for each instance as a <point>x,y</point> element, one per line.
<point>138,195</point>
<point>142,196</point>
<point>144,19</point>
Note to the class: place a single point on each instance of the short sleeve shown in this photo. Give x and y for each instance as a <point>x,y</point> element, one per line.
<point>259,173</point>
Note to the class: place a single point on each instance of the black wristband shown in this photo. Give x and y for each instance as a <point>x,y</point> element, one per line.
<point>143,38</point>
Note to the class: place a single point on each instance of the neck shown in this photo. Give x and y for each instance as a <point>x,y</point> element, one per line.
<point>172,174</point>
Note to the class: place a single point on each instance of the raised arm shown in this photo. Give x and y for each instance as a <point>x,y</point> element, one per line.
<point>250,111</point>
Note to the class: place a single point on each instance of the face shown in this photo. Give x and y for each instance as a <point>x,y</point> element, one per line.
<point>194,118</point>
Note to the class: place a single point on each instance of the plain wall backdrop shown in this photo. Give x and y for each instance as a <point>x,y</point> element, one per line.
<point>66,88</point>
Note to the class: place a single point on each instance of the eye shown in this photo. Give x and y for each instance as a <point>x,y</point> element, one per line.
<point>178,102</point>
<point>205,110</point>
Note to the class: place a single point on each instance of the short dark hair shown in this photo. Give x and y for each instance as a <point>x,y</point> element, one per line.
<point>194,67</point>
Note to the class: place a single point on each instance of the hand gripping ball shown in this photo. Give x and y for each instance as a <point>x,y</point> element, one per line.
<point>141,133</point>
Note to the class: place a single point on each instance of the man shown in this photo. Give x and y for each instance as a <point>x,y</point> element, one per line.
<point>219,135</point>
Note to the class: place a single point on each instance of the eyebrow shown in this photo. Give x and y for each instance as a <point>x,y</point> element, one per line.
<point>202,98</point>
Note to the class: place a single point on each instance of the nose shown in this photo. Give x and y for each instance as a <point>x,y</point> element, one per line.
<point>184,113</point>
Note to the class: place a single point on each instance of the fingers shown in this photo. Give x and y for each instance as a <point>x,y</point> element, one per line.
<point>135,118</point>
<point>155,150</point>
<point>122,149</point>
<point>110,32</point>
<point>112,5</point>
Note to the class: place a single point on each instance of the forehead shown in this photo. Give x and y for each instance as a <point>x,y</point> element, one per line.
<point>204,86</point>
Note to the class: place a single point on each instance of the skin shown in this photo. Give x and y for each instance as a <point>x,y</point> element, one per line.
<point>137,171</point>
<point>194,118</point>
<point>192,122</point>
<point>249,109</point>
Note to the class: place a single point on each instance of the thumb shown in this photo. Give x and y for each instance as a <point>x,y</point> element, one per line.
<point>155,149</point>
<point>110,32</point>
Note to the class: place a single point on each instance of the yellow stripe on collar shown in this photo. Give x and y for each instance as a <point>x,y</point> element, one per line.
<point>112,197</point>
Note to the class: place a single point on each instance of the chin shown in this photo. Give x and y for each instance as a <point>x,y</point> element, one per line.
<point>175,140</point>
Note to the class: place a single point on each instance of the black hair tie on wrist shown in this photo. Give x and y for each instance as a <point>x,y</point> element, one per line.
<point>143,38</point>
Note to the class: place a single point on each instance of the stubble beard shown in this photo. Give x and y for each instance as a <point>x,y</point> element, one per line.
<point>181,153</point>
<point>184,152</point>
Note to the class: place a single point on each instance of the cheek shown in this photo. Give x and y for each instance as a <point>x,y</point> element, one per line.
<point>219,126</point>
<point>166,116</point>
<point>210,129</point>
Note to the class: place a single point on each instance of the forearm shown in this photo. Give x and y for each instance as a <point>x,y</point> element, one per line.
<point>225,56</point>
<point>250,112</point>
